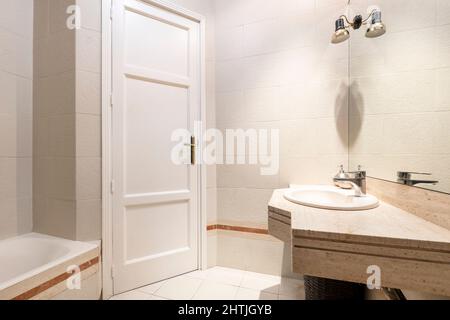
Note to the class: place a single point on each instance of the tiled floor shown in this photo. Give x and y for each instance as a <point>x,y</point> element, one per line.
<point>220,284</point>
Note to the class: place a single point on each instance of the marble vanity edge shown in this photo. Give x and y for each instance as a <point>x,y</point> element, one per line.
<point>412,264</point>
<point>284,216</point>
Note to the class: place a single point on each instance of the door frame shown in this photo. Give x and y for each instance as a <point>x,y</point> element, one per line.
<point>107,73</point>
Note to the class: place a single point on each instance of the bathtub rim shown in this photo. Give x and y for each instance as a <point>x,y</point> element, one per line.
<point>76,249</point>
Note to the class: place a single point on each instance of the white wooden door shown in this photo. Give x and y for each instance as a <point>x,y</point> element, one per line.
<point>156,90</point>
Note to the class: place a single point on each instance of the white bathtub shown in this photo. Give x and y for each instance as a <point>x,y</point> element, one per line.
<point>32,264</point>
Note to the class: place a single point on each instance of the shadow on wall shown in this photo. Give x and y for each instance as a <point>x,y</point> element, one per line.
<point>356,114</point>
<point>341,111</point>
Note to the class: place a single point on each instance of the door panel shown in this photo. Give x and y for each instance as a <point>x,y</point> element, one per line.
<point>168,43</point>
<point>147,228</point>
<point>148,130</point>
<point>156,89</point>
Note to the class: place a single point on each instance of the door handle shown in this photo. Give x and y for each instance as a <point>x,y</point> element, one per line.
<point>193,146</point>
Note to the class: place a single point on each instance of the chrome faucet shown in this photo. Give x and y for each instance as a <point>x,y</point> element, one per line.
<point>352,180</point>
<point>406,178</point>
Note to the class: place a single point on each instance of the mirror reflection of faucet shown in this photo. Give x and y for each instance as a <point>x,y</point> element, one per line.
<point>352,180</point>
<point>405,178</point>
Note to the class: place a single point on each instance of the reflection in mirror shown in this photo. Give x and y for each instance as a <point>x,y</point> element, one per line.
<point>400,94</point>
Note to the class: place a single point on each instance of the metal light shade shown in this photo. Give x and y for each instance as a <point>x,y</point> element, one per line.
<point>377,27</point>
<point>341,34</point>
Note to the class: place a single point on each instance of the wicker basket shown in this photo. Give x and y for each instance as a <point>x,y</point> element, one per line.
<point>326,289</point>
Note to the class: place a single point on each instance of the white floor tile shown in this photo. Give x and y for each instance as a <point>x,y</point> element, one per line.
<point>261,282</point>
<point>181,288</point>
<point>152,297</point>
<point>226,276</point>
<point>151,289</point>
<point>132,295</point>
<point>262,276</point>
<point>249,294</point>
<point>220,284</point>
<point>200,274</point>
<point>211,290</point>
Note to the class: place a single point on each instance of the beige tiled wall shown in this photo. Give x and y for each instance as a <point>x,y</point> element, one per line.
<point>276,69</point>
<point>400,106</point>
<point>54,164</point>
<point>88,122</point>
<point>16,114</point>
<point>67,144</point>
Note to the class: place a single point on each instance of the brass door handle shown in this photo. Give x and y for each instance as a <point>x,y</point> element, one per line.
<point>192,145</point>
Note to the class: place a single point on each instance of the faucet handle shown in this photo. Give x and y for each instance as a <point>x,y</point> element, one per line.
<point>359,173</point>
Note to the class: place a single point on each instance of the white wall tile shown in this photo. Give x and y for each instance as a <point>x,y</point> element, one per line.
<point>88,178</point>
<point>88,92</point>
<point>246,207</point>
<point>16,54</point>
<point>89,220</point>
<point>61,135</point>
<point>261,255</point>
<point>226,72</point>
<point>230,107</point>
<point>286,76</point>
<point>88,135</point>
<point>278,34</point>
<point>62,178</point>
<point>310,169</point>
<point>443,46</point>
<point>442,91</point>
<point>91,13</point>
<point>8,178</point>
<point>17,17</point>
<point>397,135</point>
<point>55,53</point>
<point>403,15</point>
<point>393,93</point>
<point>230,43</point>
<point>212,249</point>
<point>8,218</point>
<point>262,104</point>
<point>366,135</point>
<point>294,7</point>
<point>211,205</point>
<point>24,215</point>
<point>24,178</point>
<point>41,18</point>
<point>88,50</point>
<point>8,135</point>
<point>443,12</point>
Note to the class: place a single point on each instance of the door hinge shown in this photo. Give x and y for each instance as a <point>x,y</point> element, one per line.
<point>111,100</point>
<point>113,187</point>
<point>112,272</point>
<point>111,13</point>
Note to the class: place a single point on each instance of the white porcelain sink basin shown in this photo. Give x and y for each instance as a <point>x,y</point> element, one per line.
<point>330,197</point>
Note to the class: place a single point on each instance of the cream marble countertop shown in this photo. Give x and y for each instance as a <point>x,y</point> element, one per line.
<point>385,225</point>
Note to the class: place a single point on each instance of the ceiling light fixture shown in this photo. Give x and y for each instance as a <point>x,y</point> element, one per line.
<point>376,27</point>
